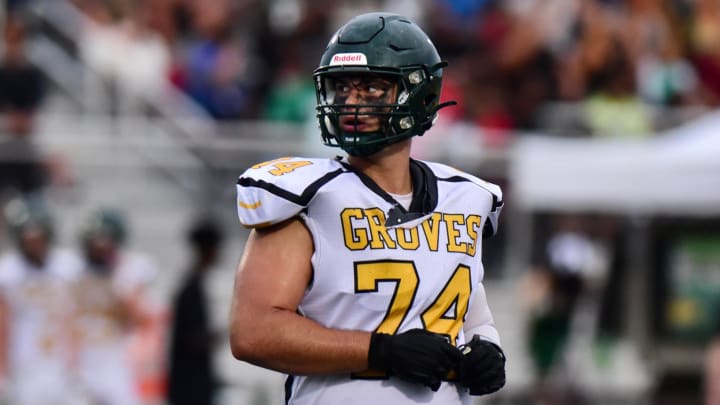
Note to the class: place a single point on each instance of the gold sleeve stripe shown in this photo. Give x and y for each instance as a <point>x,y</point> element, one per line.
<point>249,206</point>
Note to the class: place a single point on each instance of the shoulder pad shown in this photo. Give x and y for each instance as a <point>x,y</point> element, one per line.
<point>273,191</point>
<point>444,171</point>
<point>491,225</point>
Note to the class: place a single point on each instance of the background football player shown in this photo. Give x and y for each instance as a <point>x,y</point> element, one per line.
<point>111,306</point>
<point>36,351</point>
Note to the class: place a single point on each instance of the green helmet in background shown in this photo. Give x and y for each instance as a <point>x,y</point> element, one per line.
<point>105,222</point>
<point>31,228</point>
<point>22,215</point>
<point>102,236</point>
<point>388,46</point>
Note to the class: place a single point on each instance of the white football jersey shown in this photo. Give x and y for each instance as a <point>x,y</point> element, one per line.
<point>105,328</point>
<point>40,337</point>
<point>377,266</point>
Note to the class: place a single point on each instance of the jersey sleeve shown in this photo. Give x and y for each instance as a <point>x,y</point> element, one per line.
<point>271,192</point>
<point>479,320</point>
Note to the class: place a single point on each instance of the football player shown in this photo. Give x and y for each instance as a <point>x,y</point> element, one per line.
<point>111,306</point>
<point>362,276</point>
<point>35,312</point>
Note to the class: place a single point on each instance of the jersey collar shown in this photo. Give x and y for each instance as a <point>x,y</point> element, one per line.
<point>425,195</point>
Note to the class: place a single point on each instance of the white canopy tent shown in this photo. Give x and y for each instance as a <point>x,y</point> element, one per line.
<point>674,173</point>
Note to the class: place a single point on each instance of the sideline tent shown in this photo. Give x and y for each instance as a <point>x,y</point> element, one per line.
<point>676,172</point>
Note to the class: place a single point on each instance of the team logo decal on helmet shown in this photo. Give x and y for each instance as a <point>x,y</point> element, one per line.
<point>387,47</point>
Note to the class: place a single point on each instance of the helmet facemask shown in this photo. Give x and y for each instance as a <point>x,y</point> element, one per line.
<point>386,46</point>
<point>407,106</point>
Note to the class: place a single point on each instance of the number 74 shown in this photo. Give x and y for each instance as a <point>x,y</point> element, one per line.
<point>435,318</point>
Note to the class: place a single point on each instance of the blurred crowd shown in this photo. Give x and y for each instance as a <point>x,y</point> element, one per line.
<point>252,59</point>
<point>617,64</point>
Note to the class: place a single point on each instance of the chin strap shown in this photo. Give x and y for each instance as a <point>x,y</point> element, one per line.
<point>443,105</point>
<point>434,68</point>
<point>439,65</point>
<point>429,123</point>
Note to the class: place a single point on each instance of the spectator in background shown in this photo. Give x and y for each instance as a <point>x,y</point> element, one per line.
<point>35,312</point>
<point>613,107</point>
<point>469,33</point>
<point>454,22</point>
<point>22,85</point>
<point>292,98</point>
<point>565,274</point>
<point>296,35</point>
<point>664,75</point>
<point>486,97</point>
<point>192,374</point>
<point>123,44</point>
<point>704,43</point>
<point>22,90</point>
<point>221,70</point>
<point>111,305</point>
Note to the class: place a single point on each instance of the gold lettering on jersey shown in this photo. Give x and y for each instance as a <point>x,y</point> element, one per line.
<point>452,223</point>
<point>402,238</point>
<point>473,229</point>
<point>379,236</point>
<point>355,238</point>
<point>431,227</point>
<point>284,168</point>
<point>270,162</point>
<point>281,165</point>
<point>365,229</point>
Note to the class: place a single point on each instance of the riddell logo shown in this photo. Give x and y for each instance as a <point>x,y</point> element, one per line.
<point>348,59</point>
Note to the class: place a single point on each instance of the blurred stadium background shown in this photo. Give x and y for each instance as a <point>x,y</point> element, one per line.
<point>598,117</point>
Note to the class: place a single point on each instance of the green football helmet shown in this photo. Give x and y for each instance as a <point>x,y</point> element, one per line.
<point>388,47</point>
<point>23,215</point>
<point>104,222</point>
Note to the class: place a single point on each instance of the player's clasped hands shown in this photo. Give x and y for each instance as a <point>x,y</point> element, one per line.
<point>427,358</point>
<point>416,355</point>
<point>483,368</point>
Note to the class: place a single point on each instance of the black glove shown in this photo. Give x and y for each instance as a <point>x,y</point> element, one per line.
<point>417,356</point>
<point>483,368</point>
